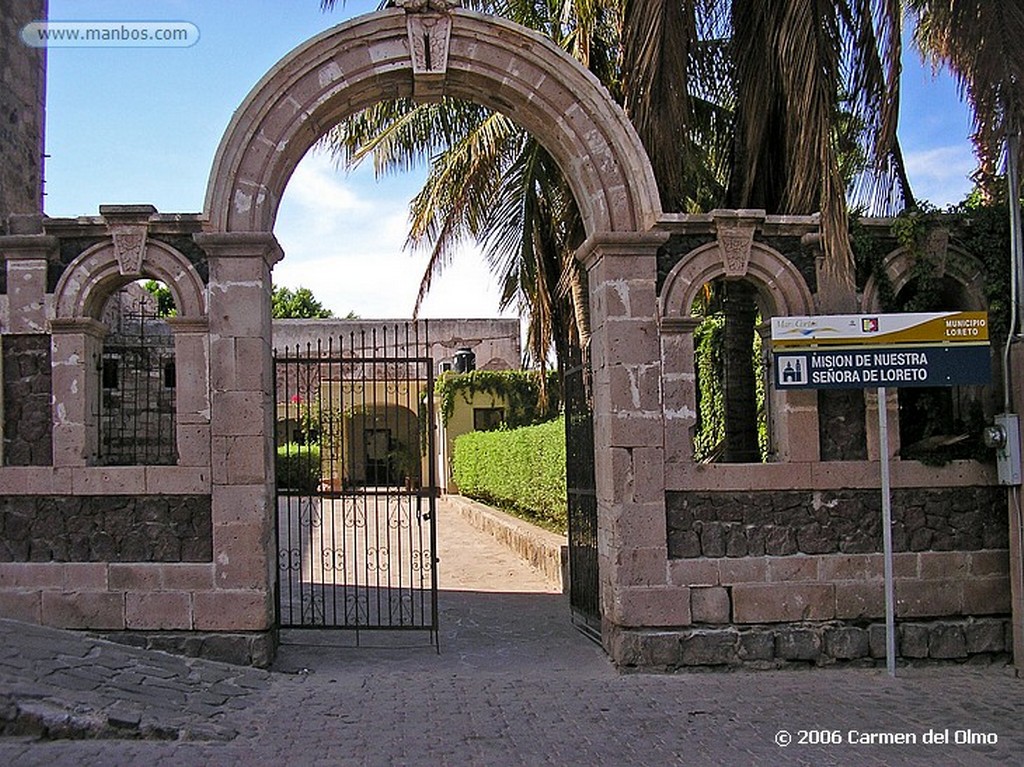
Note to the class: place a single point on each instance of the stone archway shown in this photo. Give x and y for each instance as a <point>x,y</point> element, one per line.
<point>425,55</point>
<point>780,291</point>
<point>92,277</point>
<point>950,261</point>
<point>487,60</point>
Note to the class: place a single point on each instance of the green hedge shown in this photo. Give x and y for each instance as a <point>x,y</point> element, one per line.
<point>298,467</point>
<point>521,471</point>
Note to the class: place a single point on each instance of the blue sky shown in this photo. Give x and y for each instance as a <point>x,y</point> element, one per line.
<point>141,125</point>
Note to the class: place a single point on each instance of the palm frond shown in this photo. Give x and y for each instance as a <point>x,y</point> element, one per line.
<point>658,36</point>
<point>454,202</point>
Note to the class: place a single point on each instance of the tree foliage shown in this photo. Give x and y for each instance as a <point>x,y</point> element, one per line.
<point>164,298</point>
<point>298,304</point>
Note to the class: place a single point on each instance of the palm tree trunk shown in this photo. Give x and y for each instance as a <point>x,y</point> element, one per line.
<point>740,391</point>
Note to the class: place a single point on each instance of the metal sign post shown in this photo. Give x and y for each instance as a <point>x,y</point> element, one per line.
<point>890,597</point>
<point>876,351</point>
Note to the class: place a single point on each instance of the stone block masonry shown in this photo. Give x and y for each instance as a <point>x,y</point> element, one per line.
<point>27,389</point>
<point>96,528</point>
<point>784,523</point>
<point>22,99</point>
<point>812,644</point>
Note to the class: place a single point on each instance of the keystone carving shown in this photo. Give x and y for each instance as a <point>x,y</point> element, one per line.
<point>429,35</point>
<point>734,243</point>
<point>429,26</point>
<point>127,226</point>
<point>419,6</point>
<point>936,248</point>
<point>129,247</point>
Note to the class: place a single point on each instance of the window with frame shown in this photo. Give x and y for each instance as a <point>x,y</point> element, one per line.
<point>488,418</point>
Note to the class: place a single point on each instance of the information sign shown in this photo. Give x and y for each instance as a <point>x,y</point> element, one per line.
<point>877,351</point>
<point>862,351</point>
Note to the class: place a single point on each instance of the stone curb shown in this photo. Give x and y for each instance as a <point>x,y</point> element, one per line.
<point>544,551</point>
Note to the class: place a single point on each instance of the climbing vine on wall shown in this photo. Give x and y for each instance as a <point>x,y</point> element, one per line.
<point>709,435</point>
<point>520,389</point>
<point>710,432</point>
<point>979,229</point>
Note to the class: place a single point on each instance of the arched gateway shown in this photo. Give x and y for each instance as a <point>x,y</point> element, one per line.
<point>426,54</point>
<point>697,564</point>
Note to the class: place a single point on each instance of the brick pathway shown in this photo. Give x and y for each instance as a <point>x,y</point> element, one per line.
<point>513,684</point>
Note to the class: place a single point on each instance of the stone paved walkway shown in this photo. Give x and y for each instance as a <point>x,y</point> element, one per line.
<point>513,684</point>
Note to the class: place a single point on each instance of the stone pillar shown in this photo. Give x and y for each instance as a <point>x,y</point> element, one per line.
<point>192,387</point>
<point>26,252</point>
<point>629,435</point>
<point>76,349</point>
<point>792,415</point>
<point>679,382</point>
<point>794,423</point>
<point>241,428</point>
<point>26,257</point>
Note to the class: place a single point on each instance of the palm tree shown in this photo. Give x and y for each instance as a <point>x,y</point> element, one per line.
<point>787,71</point>
<point>764,86</point>
<point>740,103</point>
<point>492,183</point>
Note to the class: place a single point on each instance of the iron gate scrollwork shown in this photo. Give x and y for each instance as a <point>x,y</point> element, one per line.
<point>581,486</point>
<point>356,485</point>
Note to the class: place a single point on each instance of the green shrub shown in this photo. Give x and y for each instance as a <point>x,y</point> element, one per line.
<point>521,471</point>
<point>298,467</point>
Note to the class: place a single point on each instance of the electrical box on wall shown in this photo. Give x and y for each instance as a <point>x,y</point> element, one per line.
<point>1007,445</point>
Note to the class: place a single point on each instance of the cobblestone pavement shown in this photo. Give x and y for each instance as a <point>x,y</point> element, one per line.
<point>513,684</point>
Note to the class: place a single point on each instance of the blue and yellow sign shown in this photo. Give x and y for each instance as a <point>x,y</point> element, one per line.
<point>863,351</point>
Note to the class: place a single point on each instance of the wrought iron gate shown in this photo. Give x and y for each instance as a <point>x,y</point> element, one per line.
<point>356,482</point>
<point>584,590</point>
<point>137,394</point>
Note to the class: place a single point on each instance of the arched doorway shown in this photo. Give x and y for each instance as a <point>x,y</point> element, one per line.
<point>400,53</point>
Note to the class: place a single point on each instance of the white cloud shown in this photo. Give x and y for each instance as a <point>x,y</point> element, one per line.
<point>941,175</point>
<point>316,183</point>
<point>343,238</point>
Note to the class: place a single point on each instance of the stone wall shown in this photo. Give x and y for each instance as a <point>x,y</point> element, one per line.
<point>22,110</point>
<point>782,523</point>
<point>96,528</point>
<point>27,390</point>
<point>772,612</point>
<point>821,644</point>
<point>769,579</point>
<point>495,342</point>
